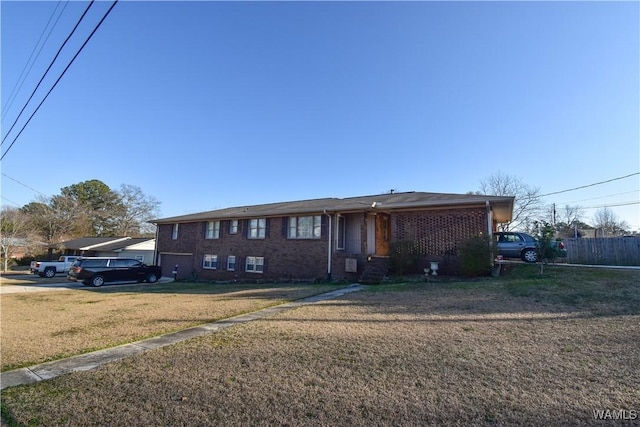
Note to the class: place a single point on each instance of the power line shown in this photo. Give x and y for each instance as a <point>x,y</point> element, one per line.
<point>10,201</point>
<point>590,185</point>
<point>596,198</point>
<point>47,70</point>
<point>613,205</point>
<point>59,78</point>
<point>29,65</point>
<point>23,184</point>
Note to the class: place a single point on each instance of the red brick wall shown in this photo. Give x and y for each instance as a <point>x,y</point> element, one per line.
<point>438,232</point>
<point>284,258</point>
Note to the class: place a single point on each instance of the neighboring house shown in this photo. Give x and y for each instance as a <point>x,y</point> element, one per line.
<point>123,247</point>
<point>323,238</point>
<point>19,247</point>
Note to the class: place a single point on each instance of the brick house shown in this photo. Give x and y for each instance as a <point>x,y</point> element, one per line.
<point>322,238</point>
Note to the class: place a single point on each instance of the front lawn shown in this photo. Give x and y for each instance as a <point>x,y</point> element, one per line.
<point>517,350</point>
<point>43,326</point>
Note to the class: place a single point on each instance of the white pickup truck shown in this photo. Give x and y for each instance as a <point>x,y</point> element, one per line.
<point>51,268</point>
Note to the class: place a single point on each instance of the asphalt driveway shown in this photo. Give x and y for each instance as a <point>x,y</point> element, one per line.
<point>61,285</point>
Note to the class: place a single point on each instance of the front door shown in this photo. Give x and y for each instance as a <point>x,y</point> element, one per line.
<point>383,234</point>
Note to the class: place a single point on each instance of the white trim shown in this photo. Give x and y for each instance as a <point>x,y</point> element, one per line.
<point>110,242</point>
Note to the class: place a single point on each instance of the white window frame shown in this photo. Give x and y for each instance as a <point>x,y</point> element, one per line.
<point>212,230</point>
<point>305,227</point>
<point>231,263</point>
<point>210,262</point>
<point>174,231</point>
<point>233,226</point>
<point>257,228</point>
<point>254,264</point>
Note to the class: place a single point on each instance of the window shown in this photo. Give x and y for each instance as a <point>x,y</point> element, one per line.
<point>342,232</point>
<point>210,262</point>
<point>257,228</point>
<point>118,263</point>
<point>174,232</point>
<point>255,264</point>
<point>213,230</point>
<point>90,263</point>
<point>231,263</point>
<point>233,226</point>
<point>305,227</point>
<point>140,258</point>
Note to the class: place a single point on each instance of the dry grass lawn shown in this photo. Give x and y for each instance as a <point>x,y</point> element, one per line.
<point>43,326</point>
<point>519,350</point>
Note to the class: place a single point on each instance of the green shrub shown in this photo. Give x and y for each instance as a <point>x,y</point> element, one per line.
<point>403,258</point>
<point>26,260</point>
<point>476,255</point>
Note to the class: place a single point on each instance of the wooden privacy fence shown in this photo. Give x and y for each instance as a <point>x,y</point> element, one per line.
<point>604,251</point>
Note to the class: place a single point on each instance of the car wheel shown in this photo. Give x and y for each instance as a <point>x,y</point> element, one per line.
<point>49,272</point>
<point>97,281</point>
<point>529,255</point>
<point>152,278</point>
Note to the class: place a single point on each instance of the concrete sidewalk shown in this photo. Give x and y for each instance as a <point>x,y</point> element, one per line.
<point>85,362</point>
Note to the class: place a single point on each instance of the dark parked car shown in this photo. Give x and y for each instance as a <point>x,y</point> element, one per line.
<point>97,271</point>
<point>522,245</point>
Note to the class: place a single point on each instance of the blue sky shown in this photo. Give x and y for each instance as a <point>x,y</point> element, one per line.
<point>206,105</point>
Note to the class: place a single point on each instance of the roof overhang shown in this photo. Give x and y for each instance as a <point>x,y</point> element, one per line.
<point>501,206</point>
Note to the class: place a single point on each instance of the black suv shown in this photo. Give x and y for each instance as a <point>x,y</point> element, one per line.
<point>97,271</point>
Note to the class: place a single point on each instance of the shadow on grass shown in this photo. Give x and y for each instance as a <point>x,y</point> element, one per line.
<point>521,289</point>
<point>234,290</point>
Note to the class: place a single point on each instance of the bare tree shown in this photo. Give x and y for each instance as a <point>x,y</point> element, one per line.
<point>14,231</point>
<point>608,224</point>
<point>527,207</point>
<point>134,212</point>
<point>569,215</point>
<point>565,220</point>
<point>57,218</point>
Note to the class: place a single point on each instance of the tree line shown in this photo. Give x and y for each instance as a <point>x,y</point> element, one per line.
<point>529,211</point>
<point>86,209</point>
<point>92,209</point>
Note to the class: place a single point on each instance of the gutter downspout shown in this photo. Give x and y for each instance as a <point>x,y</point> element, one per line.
<point>155,246</point>
<point>495,271</point>
<point>489,219</point>
<point>329,247</point>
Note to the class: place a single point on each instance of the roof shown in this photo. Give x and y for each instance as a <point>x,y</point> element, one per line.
<point>87,242</point>
<point>502,206</point>
<point>102,243</point>
<point>122,244</point>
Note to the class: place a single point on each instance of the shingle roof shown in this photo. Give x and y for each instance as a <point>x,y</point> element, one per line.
<point>387,202</point>
<point>84,242</point>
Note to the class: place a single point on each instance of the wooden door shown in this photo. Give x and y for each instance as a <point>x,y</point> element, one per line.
<point>383,234</point>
